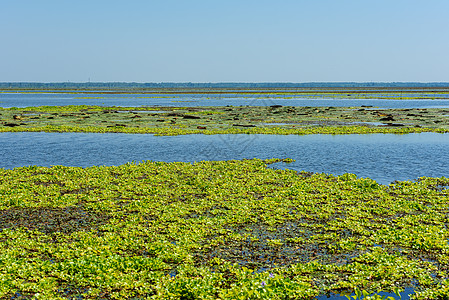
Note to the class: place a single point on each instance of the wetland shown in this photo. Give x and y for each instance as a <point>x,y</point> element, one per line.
<point>195,205</point>
<point>274,119</point>
<point>218,229</point>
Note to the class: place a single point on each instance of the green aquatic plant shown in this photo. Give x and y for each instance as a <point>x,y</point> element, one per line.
<point>218,230</point>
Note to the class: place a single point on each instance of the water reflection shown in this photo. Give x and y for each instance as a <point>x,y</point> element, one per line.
<point>382,157</point>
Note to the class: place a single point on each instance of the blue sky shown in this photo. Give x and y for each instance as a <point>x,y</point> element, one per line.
<point>224,41</point>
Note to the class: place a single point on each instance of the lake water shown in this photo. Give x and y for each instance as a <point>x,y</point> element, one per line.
<point>184,100</point>
<point>382,157</point>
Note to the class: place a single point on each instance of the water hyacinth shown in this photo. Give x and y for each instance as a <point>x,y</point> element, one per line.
<point>206,230</point>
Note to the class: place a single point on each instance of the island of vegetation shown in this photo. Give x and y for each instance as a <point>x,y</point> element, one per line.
<point>275,119</point>
<point>218,230</point>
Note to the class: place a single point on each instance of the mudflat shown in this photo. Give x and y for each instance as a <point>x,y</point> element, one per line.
<point>275,119</point>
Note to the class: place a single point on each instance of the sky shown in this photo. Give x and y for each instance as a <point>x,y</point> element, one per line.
<point>224,41</point>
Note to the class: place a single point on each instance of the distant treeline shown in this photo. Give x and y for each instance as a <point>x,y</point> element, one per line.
<point>219,85</point>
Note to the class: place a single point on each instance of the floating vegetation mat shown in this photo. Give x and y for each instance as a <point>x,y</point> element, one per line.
<point>218,230</point>
<point>274,119</point>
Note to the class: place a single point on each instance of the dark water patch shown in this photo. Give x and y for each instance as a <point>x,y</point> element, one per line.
<point>332,123</point>
<point>51,220</point>
<point>72,292</point>
<point>261,247</point>
<point>403,295</point>
<point>21,295</point>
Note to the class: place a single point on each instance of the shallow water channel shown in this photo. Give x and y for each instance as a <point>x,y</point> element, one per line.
<point>25,99</point>
<point>382,157</point>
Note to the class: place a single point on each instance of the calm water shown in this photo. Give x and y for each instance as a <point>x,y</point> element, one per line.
<point>183,100</point>
<point>382,157</point>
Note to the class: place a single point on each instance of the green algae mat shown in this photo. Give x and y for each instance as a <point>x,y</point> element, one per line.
<point>218,230</point>
<point>275,119</point>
